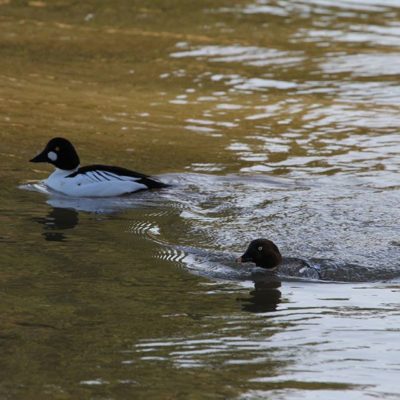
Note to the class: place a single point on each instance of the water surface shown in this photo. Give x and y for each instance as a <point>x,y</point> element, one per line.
<point>270,118</point>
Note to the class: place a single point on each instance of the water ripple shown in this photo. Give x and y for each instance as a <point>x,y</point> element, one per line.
<point>248,55</point>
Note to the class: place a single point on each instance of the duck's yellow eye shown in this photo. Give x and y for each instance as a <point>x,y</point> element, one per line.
<point>57,149</point>
<point>259,248</point>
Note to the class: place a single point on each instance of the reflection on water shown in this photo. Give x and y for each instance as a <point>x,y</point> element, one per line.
<point>270,118</point>
<point>295,328</point>
<point>58,219</point>
<point>262,300</point>
<point>265,297</point>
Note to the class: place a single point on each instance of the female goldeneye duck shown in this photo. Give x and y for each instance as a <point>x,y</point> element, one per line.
<point>92,180</point>
<point>263,253</point>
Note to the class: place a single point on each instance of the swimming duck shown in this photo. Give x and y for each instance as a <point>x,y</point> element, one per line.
<point>264,253</point>
<point>91,181</point>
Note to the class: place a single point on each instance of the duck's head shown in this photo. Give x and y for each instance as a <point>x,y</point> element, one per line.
<point>60,152</point>
<point>263,253</point>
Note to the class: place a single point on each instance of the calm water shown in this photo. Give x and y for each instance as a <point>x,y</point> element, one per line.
<point>277,119</point>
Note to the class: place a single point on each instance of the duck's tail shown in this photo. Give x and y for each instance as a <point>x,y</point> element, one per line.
<point>154,184</point>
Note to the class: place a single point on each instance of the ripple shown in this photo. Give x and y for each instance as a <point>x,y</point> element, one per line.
<point>144,228</point>
<point>276,342</point>
<point>171,254</point>
<point>343,115</point>
<point>364,93</point>
<point>303,9</point>
<point>364,65</point>
<point>247,55</point>
<point>207,167</point>
<point>298,215</point>
<point>368,34</point>
<point>260,84</point>
<point>248,84</point>
<point>95,382</point>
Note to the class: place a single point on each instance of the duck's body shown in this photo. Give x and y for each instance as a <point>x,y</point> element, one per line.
<point>99,181</point>
<point>265,254</point>
<point>91,181</point>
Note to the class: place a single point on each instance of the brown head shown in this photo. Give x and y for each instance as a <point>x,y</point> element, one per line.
<point>263,253</point>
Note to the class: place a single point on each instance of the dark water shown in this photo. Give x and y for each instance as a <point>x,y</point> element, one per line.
<point>277,119</point>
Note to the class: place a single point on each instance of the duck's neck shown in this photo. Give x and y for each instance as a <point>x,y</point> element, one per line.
<point>273,269</point>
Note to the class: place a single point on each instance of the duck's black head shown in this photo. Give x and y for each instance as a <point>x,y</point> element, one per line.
<point>60,153</point>
<point>263,253</point>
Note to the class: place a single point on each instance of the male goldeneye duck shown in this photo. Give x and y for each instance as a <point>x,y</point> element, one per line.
<point>263,253</point>
<point>90,181</point>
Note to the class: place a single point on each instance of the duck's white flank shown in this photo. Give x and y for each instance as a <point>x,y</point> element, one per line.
<point>92,184</point>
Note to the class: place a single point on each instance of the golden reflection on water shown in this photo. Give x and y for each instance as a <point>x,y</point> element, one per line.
<point>93,303</point>
<point>282,87</point>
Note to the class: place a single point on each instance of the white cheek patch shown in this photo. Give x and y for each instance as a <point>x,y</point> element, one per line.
<point>52,156</point>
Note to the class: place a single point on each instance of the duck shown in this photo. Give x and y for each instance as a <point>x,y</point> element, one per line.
<point>70,179</point>
<point>264,253</point>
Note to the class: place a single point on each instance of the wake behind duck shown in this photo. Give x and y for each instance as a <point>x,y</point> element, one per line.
<point>270,266</point>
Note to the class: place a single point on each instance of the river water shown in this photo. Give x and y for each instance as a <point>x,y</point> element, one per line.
<point>275,119</point>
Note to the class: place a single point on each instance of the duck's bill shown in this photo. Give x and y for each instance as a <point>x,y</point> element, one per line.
<point>244,259</point>
<point>41,157</point>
